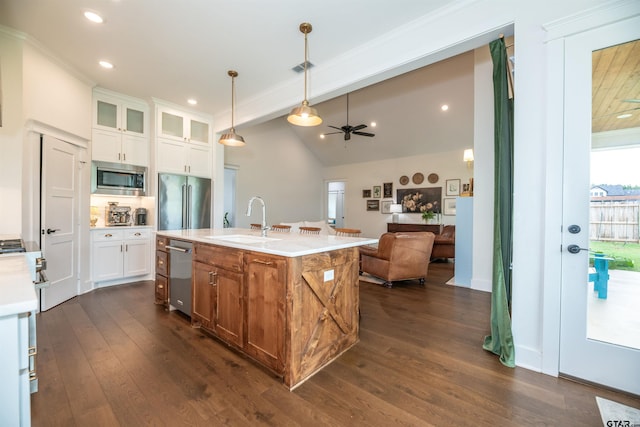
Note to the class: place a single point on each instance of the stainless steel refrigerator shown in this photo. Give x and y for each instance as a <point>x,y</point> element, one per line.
<point>184,202</point>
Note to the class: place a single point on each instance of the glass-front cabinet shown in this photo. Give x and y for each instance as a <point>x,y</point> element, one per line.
<point>183,126</point>
<point>120,114</point>
<point>120,128</point>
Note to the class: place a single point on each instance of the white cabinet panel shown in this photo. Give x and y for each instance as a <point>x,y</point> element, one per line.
<point>120,253</point>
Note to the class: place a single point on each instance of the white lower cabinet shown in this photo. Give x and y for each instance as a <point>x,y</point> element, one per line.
<point>120,253</point>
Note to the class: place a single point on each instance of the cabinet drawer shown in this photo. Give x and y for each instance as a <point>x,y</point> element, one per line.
<point>107,235</point>
<point>162,290</point>
<point>229,259</point>
<point>162,264</point>
<point>137,233</point>
<point>161,243</point>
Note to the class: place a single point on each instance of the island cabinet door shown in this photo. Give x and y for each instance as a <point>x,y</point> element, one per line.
<point>228,306</point>
<point>265,285</point>
<point>202,294</point>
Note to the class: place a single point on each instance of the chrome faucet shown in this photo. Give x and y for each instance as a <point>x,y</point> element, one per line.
<point>264,214</point>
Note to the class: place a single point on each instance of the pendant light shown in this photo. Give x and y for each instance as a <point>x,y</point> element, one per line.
<point>231,138</point>
<point>304,115</point>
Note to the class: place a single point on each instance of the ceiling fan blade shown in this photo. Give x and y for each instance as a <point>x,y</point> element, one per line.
<point>332,133</point>
<point>334,127</point>
<point>358,127</point>
<point>364,133</point>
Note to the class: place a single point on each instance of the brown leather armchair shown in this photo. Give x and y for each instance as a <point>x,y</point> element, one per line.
<point>399,256</point>
<point>444,246</point>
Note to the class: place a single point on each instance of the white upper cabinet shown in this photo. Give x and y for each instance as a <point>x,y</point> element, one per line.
<point>120,128</point>
<point>183,142</point>
<point>183,126</point>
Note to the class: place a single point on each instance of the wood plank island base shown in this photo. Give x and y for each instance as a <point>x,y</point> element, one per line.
<point>289,302</point>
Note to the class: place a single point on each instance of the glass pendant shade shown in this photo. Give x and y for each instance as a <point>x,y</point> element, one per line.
<point>304,115</point>
<point>231,138</point>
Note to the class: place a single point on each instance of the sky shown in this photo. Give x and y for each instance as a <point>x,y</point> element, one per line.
<point>621,166</point>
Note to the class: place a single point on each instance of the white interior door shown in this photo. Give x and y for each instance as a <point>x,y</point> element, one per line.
<point>596,357</point>
<point>59,212</point>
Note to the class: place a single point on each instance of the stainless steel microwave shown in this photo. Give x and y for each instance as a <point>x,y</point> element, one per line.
<point>118,179</point>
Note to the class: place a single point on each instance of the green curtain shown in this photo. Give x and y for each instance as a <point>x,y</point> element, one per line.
<point>500,341</point>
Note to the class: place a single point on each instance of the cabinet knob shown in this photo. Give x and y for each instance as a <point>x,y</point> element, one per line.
<point>160,262</point>
<point>160,286</point>
<point>137,234</point>
<point>259,261</point>
<point>108,235</point>
<point>212,276</point>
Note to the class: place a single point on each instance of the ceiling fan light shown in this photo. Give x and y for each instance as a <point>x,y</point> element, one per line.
<point>232,139</point>
<point>304,115</point>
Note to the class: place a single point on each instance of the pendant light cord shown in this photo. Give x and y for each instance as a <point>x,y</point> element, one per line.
<point>306,47</point>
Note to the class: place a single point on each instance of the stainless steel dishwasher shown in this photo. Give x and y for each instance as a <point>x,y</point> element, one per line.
<point>180,275</point>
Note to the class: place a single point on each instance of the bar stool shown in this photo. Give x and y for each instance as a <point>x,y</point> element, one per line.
<point>348,232</point>
<point>281,228</point>
<point>310,230</point>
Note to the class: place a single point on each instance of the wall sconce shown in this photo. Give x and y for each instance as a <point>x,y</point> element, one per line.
<point>468,157</point>
<point>395,209</point>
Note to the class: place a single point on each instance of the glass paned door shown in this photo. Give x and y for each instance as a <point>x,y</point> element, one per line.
<point>107,114</point>
<point>600,334</point>
<point>135,120</point>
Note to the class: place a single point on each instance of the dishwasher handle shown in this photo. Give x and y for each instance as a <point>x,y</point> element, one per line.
<point>175,248</point>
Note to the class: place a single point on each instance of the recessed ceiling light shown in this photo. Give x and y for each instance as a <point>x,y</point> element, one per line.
<point>192,101</point>
<point>373,124</point>
<point>322,136</point>
<point>444,107</point>
<point>93,17</point>
<point>106,64</point>
<point>624,116</point>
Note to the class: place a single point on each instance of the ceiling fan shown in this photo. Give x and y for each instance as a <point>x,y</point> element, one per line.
<point>348,129</point>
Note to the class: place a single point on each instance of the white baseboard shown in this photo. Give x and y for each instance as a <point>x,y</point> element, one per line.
<point>528,358</point>
<point>481,285</point>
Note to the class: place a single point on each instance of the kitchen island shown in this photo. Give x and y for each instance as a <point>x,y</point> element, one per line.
<point>288,301</point>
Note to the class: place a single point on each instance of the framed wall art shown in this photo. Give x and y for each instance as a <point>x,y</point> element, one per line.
<point>418,200</point>
<point>373,205</point>
<point>453,187</point>
<point>449,207</point>
<point>387,190</point>
<point>385,206</point>
<point>366,194</point>
<point>377,191</point>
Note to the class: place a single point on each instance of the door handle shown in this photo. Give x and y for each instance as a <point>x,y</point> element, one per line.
<point>52,230</point>
<point>575,249</point>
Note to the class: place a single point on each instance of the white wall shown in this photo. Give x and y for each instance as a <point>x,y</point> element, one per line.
<point>275,166</point>
<point>359,176</point>
<point>10,134</point>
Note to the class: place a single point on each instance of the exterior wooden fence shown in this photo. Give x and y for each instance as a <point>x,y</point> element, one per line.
<point>615,221</point>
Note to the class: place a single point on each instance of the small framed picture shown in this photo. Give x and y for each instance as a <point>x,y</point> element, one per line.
<point>377,191</point>
<point>449,206</point>
<point>366,194</point>
<point>385,206</point>
<point>373,205</point>
<point>453,187</point>
<point>387,190</point>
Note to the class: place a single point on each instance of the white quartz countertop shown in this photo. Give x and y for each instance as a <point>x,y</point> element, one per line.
<point>283,244</point>
<point>17,292</point>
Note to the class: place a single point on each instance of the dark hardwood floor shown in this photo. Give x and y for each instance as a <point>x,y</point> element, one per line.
<point>112,357</point>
